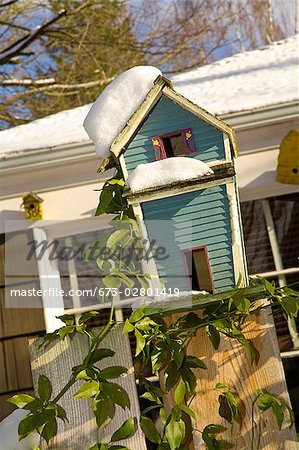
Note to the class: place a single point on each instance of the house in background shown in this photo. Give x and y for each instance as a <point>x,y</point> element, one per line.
<point>255,92</point>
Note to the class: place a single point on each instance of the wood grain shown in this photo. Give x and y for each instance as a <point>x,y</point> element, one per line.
<point>56,362</point>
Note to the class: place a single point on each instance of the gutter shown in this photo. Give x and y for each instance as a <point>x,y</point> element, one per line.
<point>50,156</point>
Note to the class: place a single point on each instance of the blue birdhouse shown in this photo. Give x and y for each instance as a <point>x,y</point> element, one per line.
<point>178,163</point>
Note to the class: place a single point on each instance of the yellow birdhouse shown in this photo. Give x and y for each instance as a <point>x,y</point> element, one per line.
<point>32,204</point>
<point>288,159</point>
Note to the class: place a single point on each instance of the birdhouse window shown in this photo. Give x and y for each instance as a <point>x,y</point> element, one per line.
<point>176,143</point>
<point>198,269</point>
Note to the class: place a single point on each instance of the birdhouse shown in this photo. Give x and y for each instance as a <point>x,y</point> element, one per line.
<point>178,163</point>
<point>288,159</point>
<point>32,204</point>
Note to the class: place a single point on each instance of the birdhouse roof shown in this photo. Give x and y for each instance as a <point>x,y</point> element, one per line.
<point>161,87</point>
<point>31,197</point>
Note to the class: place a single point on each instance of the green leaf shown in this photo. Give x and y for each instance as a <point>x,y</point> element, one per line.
<point>171,376</point>
<point>277,409</point>
<point>127,430</point>
<point>179,393</point>
<point>213,335</point>
<point>178,357</point>
<point>146,324</point>
<point>159,357</point>
<point>99,354</point>
<point>32,422</point>
<point>85,317</point>
<point>88,389</point>
<point>140,342</point>
<point>290,305</point>
<point>112,372</point>
<point>221,386</point>
<point>242,304</point>
<point>49,429</point>
<point>265,402</point>
<point>229,408</point>
<point>116,393</point>
<point>117,238</point>
<point>188,411</point>
<point>112,282</point>
<point>195,363</point>
<point>128,327</point>
<point>175,433</point>
<point>64,331</point>
<point>67,319</point>
<point>189,378</point>
<point>44,388</point>
<point>214,429</point>
<point>104,411</point>
<point>137,315</point>
<point>21,400</point>
<point>149,429</point>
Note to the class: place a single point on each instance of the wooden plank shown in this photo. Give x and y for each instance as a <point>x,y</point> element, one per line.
<point>56,363</point>
<point>16,364</point>
<point>17,321</point>
<point>3,376</point>
<point>230,365</point>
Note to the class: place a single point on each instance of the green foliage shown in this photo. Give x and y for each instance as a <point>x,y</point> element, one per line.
<point>266,401</point>
<point>209,437</point>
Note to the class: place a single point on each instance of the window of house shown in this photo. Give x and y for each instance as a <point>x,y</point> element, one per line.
<point>176,143</point>
<point>198,269</point>
<point>272,248</point>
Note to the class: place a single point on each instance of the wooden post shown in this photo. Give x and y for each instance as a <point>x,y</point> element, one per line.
<point>230,364</point>
<point>56,362</point>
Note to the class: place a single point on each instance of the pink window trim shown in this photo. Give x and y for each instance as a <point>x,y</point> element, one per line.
<point>158,146</point>
<point>189,276</point>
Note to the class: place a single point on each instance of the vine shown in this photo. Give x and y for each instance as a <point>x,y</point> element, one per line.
<point>161,347</point>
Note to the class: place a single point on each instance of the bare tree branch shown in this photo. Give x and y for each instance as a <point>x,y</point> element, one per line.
<point>16,47</point>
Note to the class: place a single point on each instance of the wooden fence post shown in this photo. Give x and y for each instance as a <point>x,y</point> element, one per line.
<point>230,364</point>
<point>56,361</point>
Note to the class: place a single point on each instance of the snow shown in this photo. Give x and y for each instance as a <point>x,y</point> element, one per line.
<point>245,81</point>
<point>9,433</point>
<point>116,104</point>
<point>242,82</point>
<point>56,130</point>
<point>166,171</point>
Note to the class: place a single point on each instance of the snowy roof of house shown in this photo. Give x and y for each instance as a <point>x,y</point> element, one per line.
<point>243,82</point>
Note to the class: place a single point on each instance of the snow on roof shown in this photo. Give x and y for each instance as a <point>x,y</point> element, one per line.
<point>245,81</point>
<point>116,104</point>
<point>165,172</point>
<point>241,82</point>
<point>65,127</point>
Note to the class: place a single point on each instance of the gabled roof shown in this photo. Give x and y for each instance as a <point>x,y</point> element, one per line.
<point>163,86</point>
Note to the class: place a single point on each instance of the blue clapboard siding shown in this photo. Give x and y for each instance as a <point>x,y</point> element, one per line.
<point>199,218</point>
<point>166,117</point>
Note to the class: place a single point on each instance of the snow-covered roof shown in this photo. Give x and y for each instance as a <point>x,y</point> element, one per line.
<point>242,82</point>
<point>245,81</point>
<point>165,172</point>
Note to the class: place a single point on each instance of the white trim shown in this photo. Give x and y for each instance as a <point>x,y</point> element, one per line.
<point>171,192</point>
<point>236,228</point>
<point>49,277</point>
<point>227,150</point>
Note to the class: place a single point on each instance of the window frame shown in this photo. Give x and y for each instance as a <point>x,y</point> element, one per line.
<point>159,147</point>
